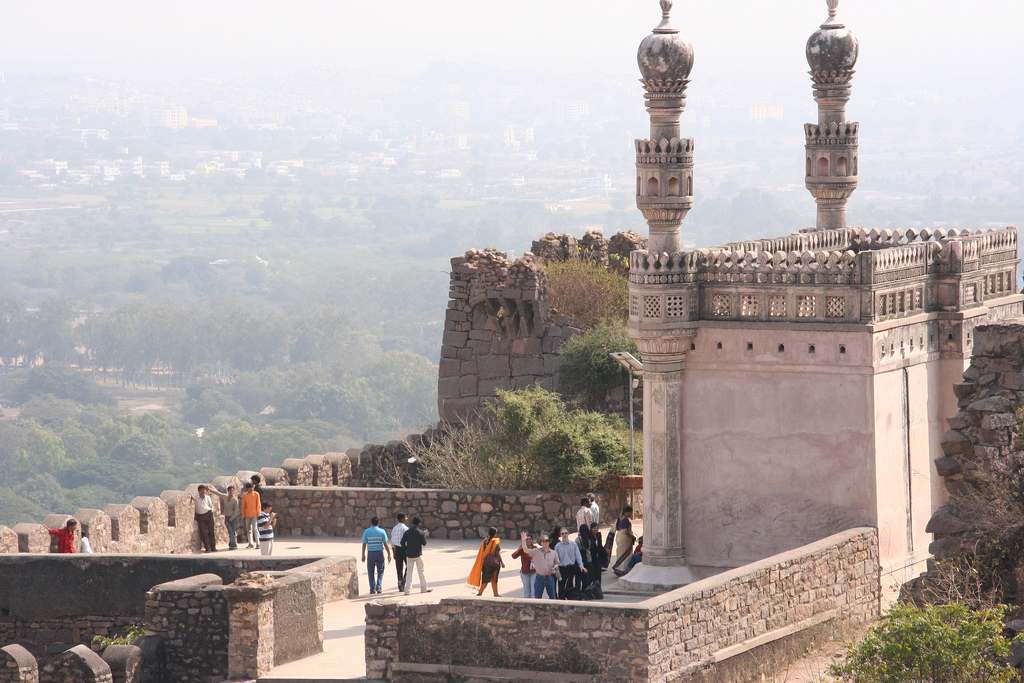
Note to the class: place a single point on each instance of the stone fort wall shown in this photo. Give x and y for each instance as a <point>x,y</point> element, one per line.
<point>698,630</point>
<point>499,332</point>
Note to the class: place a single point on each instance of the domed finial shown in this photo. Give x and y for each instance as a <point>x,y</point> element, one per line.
<point>832,21</point>
<point>666,22</point>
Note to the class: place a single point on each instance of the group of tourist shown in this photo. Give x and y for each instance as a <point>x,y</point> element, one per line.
<point>253,510</point>
<point>405,544</point>
<point>561,567</point>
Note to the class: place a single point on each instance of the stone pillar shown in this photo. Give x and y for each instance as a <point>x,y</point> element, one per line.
<point>664,564</point>
<point>251,632</point>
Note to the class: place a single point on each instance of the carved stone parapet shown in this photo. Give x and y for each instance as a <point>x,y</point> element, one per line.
<point>832,77</point>
<point>831,192</point>
<point>818,135</point>
<point>675,87</point>
<point>656,209</point>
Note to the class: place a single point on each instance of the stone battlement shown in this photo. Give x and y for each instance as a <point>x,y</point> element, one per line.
<point>983,263</point>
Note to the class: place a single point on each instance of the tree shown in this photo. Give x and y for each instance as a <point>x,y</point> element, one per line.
<point>586,370</point>
<point>144,450</point>
<point>587,292</point>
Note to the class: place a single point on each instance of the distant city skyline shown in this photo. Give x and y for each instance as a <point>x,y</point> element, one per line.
<point>744,39</point>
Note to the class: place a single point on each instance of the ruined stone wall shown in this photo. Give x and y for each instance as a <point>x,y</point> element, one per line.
<point>835,580</point>
<point>982,441</point>
<point>499,332</point>
<point>107,593</point>
<point>313,511</point>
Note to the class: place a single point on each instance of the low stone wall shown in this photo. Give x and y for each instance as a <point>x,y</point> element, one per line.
<point>675,636</point>
<point>316,511</point>
<point>191,616</point>
<point>51,602</point>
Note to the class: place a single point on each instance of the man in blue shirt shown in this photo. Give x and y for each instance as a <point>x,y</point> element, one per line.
<point>570,564</point>
<point>375,540</point>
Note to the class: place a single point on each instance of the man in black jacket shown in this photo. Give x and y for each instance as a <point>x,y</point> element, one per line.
<point>412,543</point>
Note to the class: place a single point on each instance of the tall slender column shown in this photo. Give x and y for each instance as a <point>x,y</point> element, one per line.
<point>831,144</point>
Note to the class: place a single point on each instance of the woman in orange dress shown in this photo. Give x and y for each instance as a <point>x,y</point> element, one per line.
<point>488,563</point>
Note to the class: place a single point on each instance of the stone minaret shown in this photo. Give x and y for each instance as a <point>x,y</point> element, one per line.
<point>832,142</point>
<point>664,163</point>
<point>664,194</point>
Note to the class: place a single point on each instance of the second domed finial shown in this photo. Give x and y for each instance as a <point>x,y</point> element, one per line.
<point>666,22</point>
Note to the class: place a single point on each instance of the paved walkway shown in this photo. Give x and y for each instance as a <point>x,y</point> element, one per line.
<point>447,566</point>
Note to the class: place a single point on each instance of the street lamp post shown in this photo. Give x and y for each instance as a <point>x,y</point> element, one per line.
<point>626,360</point>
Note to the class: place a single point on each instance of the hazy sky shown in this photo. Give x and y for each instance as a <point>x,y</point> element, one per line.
<point>745,38</point>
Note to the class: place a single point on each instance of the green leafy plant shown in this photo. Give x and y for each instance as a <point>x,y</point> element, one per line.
<point>934,644</point>
<point>586,370</point>
<point>100,643</point>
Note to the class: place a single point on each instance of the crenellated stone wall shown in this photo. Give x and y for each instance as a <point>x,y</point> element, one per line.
<point>692,633</point>
<point>191,616</point>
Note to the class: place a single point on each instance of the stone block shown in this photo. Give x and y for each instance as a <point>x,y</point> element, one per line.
<point>998,421</point>
<point>468,367</point>
<point>247,475</point>
<point>55,522</point>
<point>274,476</point>
<point>947,466</point>
<point>944,522</point>
<point>181,509</point>
<point>488,387</point>
<point>955,443</point>
<point>322,471</point>
<point>96,525</point>
<point>152,514</point>
<point>448,387</point>
<point>992,404</point>
<point>527,366</point>
<point>125,662</point>
<point>532,347</point>
<point>448,367</point>
<point>453,338</point>
<point>300,472</point>
<point>493,367</point>
<point>8,540</point>
<point>124,527</point>
<point>1012,380</point>
<point>17,665</point>
<point>32,538</point>
<point>80,665</point>
<point>223,482</point>
<point>341,468</point>
<point>468,385</point>
<point>958,421</point>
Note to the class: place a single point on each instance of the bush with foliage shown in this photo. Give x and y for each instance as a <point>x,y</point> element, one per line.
<point>936,644</point>
<point>586,370</point>
<point>101,643</point>
<point>528,440</point>
<point>587,293</point>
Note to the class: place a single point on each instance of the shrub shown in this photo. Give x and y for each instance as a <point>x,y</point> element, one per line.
<point>938,644</point>
<point>587,293</point>
<point>527,440</point>
<point>586,370</point>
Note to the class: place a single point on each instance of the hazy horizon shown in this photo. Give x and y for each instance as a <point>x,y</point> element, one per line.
<point>739,40</point>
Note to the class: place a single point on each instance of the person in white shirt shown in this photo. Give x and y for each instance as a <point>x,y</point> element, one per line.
<point>584,516</point>
<point>204,519</point>
<point>396,545</point>
<point>85,545</point>
<point>594,507</point>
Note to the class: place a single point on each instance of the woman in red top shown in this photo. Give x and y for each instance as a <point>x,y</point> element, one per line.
<point>65,537</point>
<point>527,573</point>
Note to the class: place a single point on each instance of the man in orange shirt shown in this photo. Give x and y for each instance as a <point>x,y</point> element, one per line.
<point>251,507</point>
